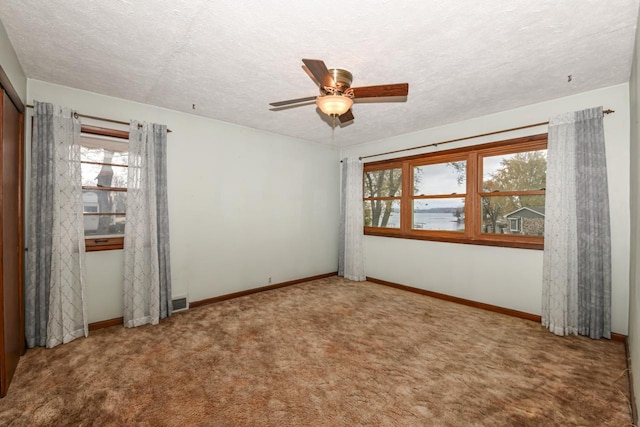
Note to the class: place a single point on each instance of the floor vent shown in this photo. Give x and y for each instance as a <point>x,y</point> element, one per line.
<point>179,303</point>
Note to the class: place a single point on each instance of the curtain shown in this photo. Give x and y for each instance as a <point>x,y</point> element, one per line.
<point>576,292</point>
<point>350,255</point>
<point>147,274</point>
<point>55,306</point>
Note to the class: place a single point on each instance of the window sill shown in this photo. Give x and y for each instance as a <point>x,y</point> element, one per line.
<point>524,242</point>
<point>103,243</point>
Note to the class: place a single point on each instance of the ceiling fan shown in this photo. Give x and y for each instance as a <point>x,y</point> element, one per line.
<point>336,94</point>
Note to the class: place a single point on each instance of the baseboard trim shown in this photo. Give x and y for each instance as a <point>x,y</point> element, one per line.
<point>196,304</point>
<point>105,323</point>
<point>618,337</point>
<point>490,307</point>
<point>632,395</point>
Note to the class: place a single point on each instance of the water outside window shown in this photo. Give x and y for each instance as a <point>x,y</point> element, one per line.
<point>439,213</point>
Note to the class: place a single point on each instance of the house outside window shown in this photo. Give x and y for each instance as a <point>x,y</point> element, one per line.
<point>527,220</point>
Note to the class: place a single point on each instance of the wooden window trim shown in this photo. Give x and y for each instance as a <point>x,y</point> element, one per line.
<point>473,206</point>
<point>100,131</point>
<point>94,244</point>
<point>88,187</point>
<point>97,243</point>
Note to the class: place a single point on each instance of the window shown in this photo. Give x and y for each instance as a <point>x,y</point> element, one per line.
<point>438,201</point>
<point>382,192</point>
<point>490,194</point>
<point>104,158</point>
<point>513,187</point>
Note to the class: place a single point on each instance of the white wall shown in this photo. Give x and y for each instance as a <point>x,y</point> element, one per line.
<point>634,281</point>
<point>506,277</point>
<point>11,66</point>
<point>244,205</point>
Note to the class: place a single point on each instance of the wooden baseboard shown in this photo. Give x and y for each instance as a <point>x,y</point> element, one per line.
<point>497,309</point>
<point>632,396</point>
<point>213,300</point>
<point>105,323</point>
<point>618,337</point>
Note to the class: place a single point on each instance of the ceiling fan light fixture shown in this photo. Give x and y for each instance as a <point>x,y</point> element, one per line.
<point>334,105</point>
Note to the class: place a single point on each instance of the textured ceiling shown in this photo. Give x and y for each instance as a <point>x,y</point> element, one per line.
<point>230,58</point>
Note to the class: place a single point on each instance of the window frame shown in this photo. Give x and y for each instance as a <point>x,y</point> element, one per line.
<point>399,198</point>
<point>473,199</point>
<point>93,244</point>
<point>437,158</point>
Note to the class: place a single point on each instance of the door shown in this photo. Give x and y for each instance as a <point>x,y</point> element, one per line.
<point>12,339</point>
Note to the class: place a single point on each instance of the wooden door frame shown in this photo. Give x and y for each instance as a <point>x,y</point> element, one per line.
<point>5,84</point>
<point>21,230</point>
<point>7,87</point>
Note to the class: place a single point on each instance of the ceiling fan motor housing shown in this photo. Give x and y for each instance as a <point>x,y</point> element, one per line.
<point>342,79</point>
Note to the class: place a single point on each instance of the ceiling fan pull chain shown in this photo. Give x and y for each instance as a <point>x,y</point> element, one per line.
<point>333,128</point>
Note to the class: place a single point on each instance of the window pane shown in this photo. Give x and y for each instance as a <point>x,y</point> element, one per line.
<point>513,215</point>
<point>104,225</point>
<point>104,176</point>
<point>515,172</point>
<point>383,183</point>
<point>104,149</point>
<point>440,178</point>
<point>104,209</point>
<point>98,201</point>
<point>438,214</point>
<point>382,213</point>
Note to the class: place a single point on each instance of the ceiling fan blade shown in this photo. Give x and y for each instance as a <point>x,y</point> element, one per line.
<point>311,76</point>
<point>399,89</point>
<point>319,71</point>
<point>346,117</point>
<point>292,101</point>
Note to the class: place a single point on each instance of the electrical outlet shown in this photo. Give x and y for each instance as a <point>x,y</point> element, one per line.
<point>269,280</point>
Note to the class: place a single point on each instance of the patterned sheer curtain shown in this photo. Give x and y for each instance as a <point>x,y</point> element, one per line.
<point>351,252</point>
<point>147,275</point>
<point>576,292</point>
<point>55,306</point>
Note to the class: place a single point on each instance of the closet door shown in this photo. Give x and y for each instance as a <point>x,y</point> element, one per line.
<point>12,325</point>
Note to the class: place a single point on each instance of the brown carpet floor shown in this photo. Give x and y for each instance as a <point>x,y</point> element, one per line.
<point>325,353</point>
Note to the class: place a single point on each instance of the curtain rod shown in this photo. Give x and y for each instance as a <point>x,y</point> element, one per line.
<point>435,144</point>
<point>99,118</point>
